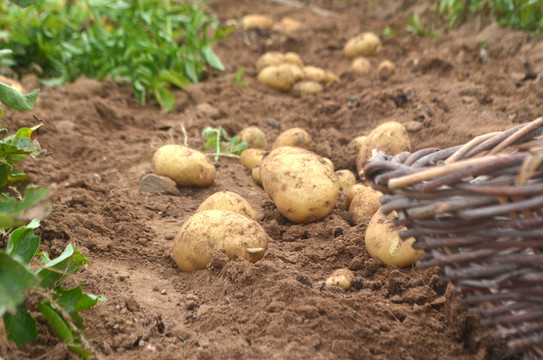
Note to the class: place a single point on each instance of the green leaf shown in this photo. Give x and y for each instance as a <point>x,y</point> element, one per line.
<point>24,242</point>
<point>54,272</point>
<point>15,278</point>
<point>74,300</point>
<point>165,98</point>
<point>35,205</point>
<point>14,99</point>
<point>174,78</point>
<point>211,58</point>
<point>23,3</point>
<point>20,327</point>
<point>190,71</point>
<point>56,320</point>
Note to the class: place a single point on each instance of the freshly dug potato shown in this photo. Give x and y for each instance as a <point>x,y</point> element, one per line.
<point>341,278</point>
<point>383,242</point>
<point>361,65</point>
<point>390,137</point>
<point>351,193</point>
<point>330,78</point>
<point>254,137</point>
<point>251,158</point>
<point>297,71</point>
<point>364,204</point>
<point>185,166</point>
<point>365,44</point>
<point>293,58</point>
<point>255,174</point>
<point>287,25</point>
<point>270,58</point>
<point>330,163</point>
<point>210,230</point>
<point>13,84</point>
<point>228,200</point>
<point>306,87</point>
<point>300,183</point>
<point>257,21</point>
<point>356,143</point>
<point>277,77</point>
<point>386,69</point>
<point>293,137</point>
<point>345,179</point>
<point>314,73</point>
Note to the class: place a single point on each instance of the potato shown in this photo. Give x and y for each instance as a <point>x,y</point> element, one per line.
<point>255,174</point>
<point>287,25</point>
<point>307,87</point>
<point>293,58</point>
<point>386,69</point>
<point>364,204</point>
<point>341,278</point>
<point>185,166</point>
<point>277,77</point>
<point>13,84</point>
<point>270,58</point>
<point>210,230</point>
<point>365,44</point>
<point>251,158</point>
<point>228,200</point>
<point>300,183</point>
<point>257,21</point>
<point>330,163</point>
<point>356,143</point>
<point>390,137</point>
<point>293,137</point>
<point>314,73</point>
<point>297,71</point>
<point>351,193</point>
<point>254,137</point>
<point>361,65</point>
<point>345,179</point>
<point>330,77</point>
<point>383,242</point>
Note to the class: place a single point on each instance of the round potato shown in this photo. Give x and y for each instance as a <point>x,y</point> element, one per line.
<point>361,65</point>
<point>254,137</point>
<point>390,137</point>
<point>251,158</point>
<point>383,242</point>
<point>356,143</point>
<point>293,137</point>
<point>293,58</point>
<point>300,183</point>
<point>364,204</point>
<point>185,166</point>
<point>351,192</point>
<point>277,77</point>
<point>287,25</point>
<point>386,69</point>
<point>297,71</point>
<point>345,179</point>
<point>228,200</point>
<point>270,58</point>
<point>314,73</point>
<point>365,44</point>
<point>306,87</point>
<point>255,174</point>
<point>257,21</point>
<point>341,278</point>
<point>210,230</point>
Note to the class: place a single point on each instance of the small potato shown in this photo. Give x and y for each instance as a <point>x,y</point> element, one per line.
<point>345,179</point>
<point>383,242</point>
<point>287,25</point>
<point>300,183</point>
<point>361,65</point>
<point>386,69</point>
<point>351,193</point>
<point>254,137</point>
<point>306,87</point>
<point>185,166</point>
<point>365,44</point>
<point>270,58</point>
<point>13,84</point>
<point>297,71</point>
<point>255,174</point>
<point>257,21</point>
<point>356,143</point>
<point>228,200</point>
<point>364,204</point>
<point>390,137</point>
<point>314,73</point>
<point>293,58</point>
<point>277,77</point>
<point>341,278</point>
<point>210,230</point>
<point>293,137</point>
<point>330,78</point>
<point>251,158</point>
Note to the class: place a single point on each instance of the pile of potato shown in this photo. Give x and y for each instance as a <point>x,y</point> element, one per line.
<point>260,21</point>
<point>365,45</point>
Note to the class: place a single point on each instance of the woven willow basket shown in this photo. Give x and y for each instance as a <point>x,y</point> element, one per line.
<point>477,211</point>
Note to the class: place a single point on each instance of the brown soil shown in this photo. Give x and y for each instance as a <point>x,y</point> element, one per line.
<point>100,142</point>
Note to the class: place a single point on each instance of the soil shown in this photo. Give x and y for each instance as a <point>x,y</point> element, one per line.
<point>99,143</point>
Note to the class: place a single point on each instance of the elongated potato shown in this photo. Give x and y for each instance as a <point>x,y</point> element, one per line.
<point>365,44</point>
<point>300,183</point>
<point>251,158</point>
<point>254,137</point>
<point>364,204</point>
<point>314,73</point>
<point>277,77</point>
<point>210,230</point>
<point>257,21</point>
<point>185,166</point>
<point>293,137</point>
<point>228,200</point>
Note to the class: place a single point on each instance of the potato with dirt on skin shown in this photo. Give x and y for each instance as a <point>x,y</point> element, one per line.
<point>185,166</point>
<point>251,158</point>
<point>259,21</point>
<point>345,178</point>
<point>365,44</point>
<point>361,65</point>
<point>255,174</point>
<point>364,204</point>
<point>306,88</point>
<point>293,137</point>
<point>383,242</point>
<point>228,200</point>
<point>277,77</point>
<point>386,69</point>
<point>351,192</point>
<point>270,58</point>
<point>391,138</point>
<point>208,231</point>
<point>341,278</point>
<point>254,137</point>
<point>300,183</point>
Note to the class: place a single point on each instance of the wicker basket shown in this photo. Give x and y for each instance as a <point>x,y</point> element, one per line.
<point>477,211</point>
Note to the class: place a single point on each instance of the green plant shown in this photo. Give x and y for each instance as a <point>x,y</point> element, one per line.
<point>388,31</point>
<point>415,27</point>
<point>239,78</point>
<point>215,138</point>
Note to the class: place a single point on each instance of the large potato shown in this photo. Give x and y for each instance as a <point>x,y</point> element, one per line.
<point>365,44</point>
<point>293,137</point>
<point>185,166</point>
<point>228,200</point>
<point>383,242</point>
<point>254,137</point>
<point>251,158</point>
<point>207,231</point>
<point>300,183</point>
<point>390,137</point>
<point>364,204</point>
<point>277,77</point>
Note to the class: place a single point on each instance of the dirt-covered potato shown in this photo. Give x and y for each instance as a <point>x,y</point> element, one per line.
<point>228,200</point>
<point>255,174</point>
<point>341,278</point>
<point>383,242</point>
<point>351,192</point>
<point>356,143</point>
<point>386,69</point>
<point>287,25</point>
<point>364,204</point>
<point>345,179</point>
<point>300,183</point>
<point>390,137</point>
<point>210,230</point>
<point>306,87</point>
<point>293,137</point>
<point>365,44</point>
<point>185,166</point>
<point>293,58</point>
<point>277,77</point>
<point>257,21</point>
<point>270,58</point>
<point>314,73</point>
<point>254,137</point>
<point>361,65</point>
<point>251,158</point>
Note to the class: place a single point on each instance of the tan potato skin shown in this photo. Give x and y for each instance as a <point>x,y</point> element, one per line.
<point>351,192</point>
<point>277,77</point>
<point>306,87</point>
<point>313,73</point>
<point>356,143</point>
<point>345,178</point>
<point>365,44</point>
<point>254,137</point>
<point>386,69</point>
<point>255,174</point>
<point>257,21</point>
<point>293,58</point>
<point>251,158</point>
<point>364,204</point>
<point>207,231</point>
<point>341,278</point>
<point>228,200</point>
<point>300,183</point>
<point>293,137</point>
<point>270,58</point>
<point>185,166</point>
<point>361,65</point>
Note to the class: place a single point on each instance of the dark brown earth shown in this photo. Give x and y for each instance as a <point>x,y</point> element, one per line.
<point>100,143</point>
